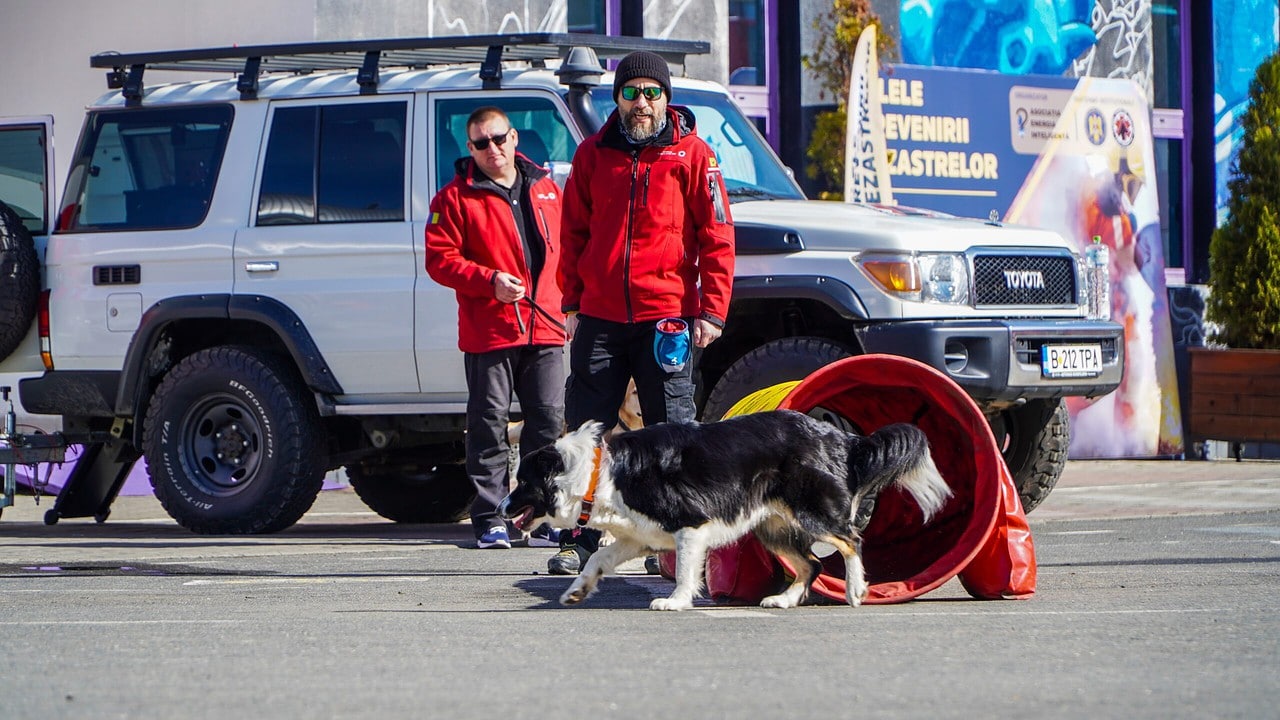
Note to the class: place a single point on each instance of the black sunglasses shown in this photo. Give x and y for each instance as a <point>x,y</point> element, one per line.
<point>483,143</point>
<point>631,92</point>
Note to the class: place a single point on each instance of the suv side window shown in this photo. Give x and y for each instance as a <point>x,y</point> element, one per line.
<point>544,136</point>
<point>335,163</point>
<point>146,168</point>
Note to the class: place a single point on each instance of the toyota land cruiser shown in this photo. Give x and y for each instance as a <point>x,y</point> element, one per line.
<point>234,288</point>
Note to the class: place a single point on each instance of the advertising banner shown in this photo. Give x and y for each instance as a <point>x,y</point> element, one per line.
<point>866,176</point>
<point>1071,155</point>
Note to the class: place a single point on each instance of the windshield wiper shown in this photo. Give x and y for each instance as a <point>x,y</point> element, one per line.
<point>750,192</point>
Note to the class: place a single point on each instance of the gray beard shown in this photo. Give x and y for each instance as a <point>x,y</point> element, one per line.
<point>640,136</point>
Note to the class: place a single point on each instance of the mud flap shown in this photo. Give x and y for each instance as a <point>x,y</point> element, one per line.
<point>94,482</point>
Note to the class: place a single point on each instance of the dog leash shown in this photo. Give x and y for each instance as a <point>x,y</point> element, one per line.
<point>538,309</point>
<point>588,500</point>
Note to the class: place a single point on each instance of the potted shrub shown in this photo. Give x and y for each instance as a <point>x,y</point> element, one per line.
<point>1235,390</point>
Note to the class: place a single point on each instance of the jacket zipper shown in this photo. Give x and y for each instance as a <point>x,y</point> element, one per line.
<point>515,307</point>
<point>631,211</point>
<point>533,291</point>
<point>644,202</point>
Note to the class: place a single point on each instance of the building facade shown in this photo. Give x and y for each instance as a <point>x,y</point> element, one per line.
<point>1194,58</point>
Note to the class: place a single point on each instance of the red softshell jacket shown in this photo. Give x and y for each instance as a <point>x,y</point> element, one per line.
<point>472,236</point>
<point>647,231</point>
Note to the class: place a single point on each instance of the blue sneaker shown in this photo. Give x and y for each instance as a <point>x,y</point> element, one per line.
<point>495,537</point>
<point>544,536</point>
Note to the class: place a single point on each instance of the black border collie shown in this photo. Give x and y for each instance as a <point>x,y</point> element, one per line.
<point>789,478</point>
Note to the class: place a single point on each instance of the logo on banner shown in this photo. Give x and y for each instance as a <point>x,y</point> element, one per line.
<point>1095,127</point>
<point>1122,127</point>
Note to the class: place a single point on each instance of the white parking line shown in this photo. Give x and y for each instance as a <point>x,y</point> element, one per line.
<point>118,622</point>
<point>734,613</point>
<point>310,581</point>
<point>1054,613</point>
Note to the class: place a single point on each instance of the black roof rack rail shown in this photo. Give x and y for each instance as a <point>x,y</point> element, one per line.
<point>367,56</point>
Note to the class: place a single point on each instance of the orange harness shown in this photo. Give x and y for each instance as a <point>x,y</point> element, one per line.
<point>588,500</point>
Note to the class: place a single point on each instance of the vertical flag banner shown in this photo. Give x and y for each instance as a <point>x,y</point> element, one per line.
<point>866,165</point>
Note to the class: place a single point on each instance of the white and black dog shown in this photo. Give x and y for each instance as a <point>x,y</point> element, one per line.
<point>790,478</point>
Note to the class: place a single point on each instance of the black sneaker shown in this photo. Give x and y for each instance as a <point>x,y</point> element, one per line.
<point>651,565</point>
<point>544,536</point>
<point>568,561</point>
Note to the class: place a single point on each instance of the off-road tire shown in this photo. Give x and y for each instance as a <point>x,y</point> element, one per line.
<point>426,494</point>
<point>780,361</point>
<point>233,443</point>
<point>19,281</point>
<point>1034,439</point>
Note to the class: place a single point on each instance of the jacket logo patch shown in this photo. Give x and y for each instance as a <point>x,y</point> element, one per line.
<point>672,153</point>
<point>435,218</point>
<point>547,196</point>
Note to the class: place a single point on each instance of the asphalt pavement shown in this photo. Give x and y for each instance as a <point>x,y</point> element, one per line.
<point>1155,599</point>
<point>1088,489</point>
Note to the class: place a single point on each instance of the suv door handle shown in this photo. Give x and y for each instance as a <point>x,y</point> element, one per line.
<point>261,267</point>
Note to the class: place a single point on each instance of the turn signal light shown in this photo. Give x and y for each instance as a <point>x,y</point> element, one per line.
<point>895,275</point>
<point>42,326</point>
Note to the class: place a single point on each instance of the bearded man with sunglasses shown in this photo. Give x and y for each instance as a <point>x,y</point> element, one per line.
<point>494,237</point>
<point>647,237</point>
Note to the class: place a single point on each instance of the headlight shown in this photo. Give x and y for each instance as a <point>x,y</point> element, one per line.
<point>927,277</point>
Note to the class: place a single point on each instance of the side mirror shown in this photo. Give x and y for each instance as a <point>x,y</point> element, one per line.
<point>559,171</point>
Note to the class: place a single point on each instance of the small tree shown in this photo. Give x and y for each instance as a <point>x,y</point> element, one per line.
<point>1244,254</point>
<point>838,30</point>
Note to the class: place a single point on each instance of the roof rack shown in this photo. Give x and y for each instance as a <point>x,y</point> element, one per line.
<point>369,56</point>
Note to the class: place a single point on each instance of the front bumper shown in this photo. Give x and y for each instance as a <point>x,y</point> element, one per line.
<point>999,360</point>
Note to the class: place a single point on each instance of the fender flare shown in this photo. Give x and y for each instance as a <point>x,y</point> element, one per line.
<point>266,311</point>
<point>831,292</point>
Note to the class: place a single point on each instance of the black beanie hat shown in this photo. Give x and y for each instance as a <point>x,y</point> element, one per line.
<point>642,64</point>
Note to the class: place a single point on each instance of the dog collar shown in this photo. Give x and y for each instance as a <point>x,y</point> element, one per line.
<point>588,500</point>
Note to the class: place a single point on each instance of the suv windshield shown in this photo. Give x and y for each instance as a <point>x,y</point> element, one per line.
<point>751,170</point>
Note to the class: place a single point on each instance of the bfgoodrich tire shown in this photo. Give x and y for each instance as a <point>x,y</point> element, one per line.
<point>233,443</point>
<point>19,280</point>
<point>414,493</point>
<point>1034,439</point>
<point>775,362</point>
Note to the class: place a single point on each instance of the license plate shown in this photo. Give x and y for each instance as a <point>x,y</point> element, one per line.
<point>1067,361</point>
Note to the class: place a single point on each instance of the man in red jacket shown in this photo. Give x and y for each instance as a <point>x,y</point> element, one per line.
<point>494,237</point>
<point>647,236</point>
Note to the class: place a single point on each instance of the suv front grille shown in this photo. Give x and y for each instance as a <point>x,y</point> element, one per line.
<point>1024,280</point>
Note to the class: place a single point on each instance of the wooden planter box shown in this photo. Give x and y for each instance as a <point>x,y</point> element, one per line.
<point>1235,395</point>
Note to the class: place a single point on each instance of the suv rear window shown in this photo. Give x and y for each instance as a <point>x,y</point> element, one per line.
<point>146,168</point>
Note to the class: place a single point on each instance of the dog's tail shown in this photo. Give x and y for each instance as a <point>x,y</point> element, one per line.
<point>898,455</point>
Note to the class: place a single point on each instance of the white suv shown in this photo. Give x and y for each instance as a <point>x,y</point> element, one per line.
<point>236,291</point>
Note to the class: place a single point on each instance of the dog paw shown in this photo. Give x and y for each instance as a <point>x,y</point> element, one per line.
<point>669,604</point>
<point>573,596</point>
<point>777,601</point>
<point>855,595</point>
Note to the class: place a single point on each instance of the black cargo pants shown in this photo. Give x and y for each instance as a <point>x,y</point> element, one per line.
<point>534,374</point>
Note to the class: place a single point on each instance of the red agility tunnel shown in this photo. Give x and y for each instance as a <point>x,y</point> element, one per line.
<point>981,534</point>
